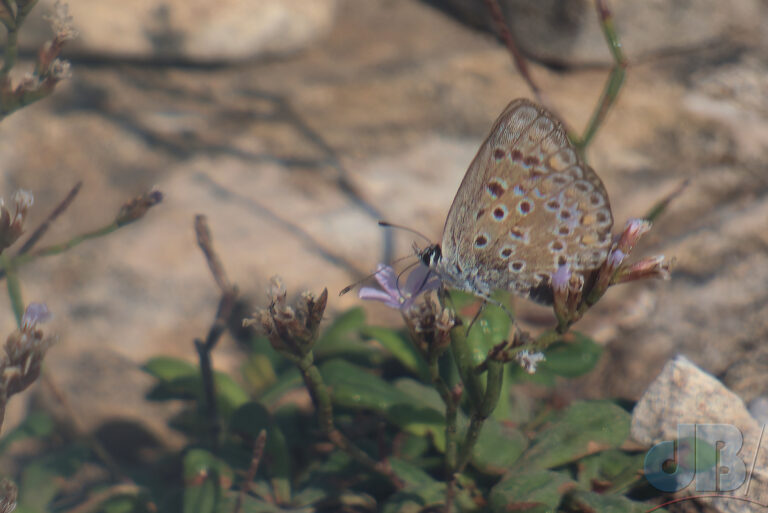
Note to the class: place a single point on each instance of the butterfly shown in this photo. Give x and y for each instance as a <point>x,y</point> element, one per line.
<point>528,206</point>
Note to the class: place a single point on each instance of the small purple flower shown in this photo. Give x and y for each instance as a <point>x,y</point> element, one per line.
<point>35,314</point>
<point>561,278</point>
<point>420,280</point>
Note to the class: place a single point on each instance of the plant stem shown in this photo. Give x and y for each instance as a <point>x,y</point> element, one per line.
<point>57,249</point>
<point>14,287</point>
<point>43,227</point>
<point>322,401</point>
<point>462,354</point>
<point>494,381</point>
<point>451,411</point>
<point>615,78</point>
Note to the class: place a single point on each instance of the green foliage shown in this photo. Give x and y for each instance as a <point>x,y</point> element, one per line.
<point>527,456</point>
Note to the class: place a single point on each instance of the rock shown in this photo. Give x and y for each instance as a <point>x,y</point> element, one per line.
<point>684,394</point>
<point>568,33</point>
<point>193,31</point>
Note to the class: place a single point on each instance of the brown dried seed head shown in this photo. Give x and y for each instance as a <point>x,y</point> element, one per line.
<point>138,207</point>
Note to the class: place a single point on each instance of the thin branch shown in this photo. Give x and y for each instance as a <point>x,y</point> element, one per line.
<point>518,58</point>
<point>40,230</point>
<point>615,78</point>
<point>218,327</point>
<point>258,450</point>
<point>321,398</point>
<point>214,262</point>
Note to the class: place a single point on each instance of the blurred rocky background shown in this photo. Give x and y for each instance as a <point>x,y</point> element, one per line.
<point>295,124</point>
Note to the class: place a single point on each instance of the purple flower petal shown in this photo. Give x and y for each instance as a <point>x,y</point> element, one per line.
<point>378,295</point>
<point>34,314</point>
<point>387,279</point>
<point>561,277</point>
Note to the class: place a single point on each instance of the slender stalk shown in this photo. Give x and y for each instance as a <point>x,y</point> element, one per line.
<point>494,381</point>
<point>55,213</point>
<point>218,327</point>
<point>615,78</point>
<point>313,380</point>
<point>14,287</point>
<point>57,249</point>
<point>258,450</point>
<point>451,412</point>
<point>11,51</point>
<point>517,57</point>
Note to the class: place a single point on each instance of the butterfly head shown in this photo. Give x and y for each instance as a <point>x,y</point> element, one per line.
<point>430,256</point>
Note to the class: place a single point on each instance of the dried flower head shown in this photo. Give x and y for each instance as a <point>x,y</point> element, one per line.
<point>24,352</point>
<point>291,329</point>
<point>429,325</point>
<point>574,294</point>
<point>8,493</point>
<point>61,22</point>
<point>60,69</point>
<point>138,207</point>
<point>12,224</point>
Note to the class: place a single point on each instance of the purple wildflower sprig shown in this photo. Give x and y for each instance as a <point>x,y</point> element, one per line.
<point>419,281</point>
<point>428,323</point>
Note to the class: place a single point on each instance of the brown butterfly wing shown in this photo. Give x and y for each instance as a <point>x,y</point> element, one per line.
<point>526,205</point>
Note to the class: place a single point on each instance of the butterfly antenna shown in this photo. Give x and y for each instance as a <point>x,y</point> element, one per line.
<point>386,224</point>
<point>374,273</point>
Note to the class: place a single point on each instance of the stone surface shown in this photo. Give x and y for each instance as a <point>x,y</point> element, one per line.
<point>196,31</point>
<point>400,97</point>
<point>568,33</point>
<point>684,394</point>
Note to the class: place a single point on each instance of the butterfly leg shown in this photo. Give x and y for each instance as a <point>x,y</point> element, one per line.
<point>477,316</point>
<point>500,305</point>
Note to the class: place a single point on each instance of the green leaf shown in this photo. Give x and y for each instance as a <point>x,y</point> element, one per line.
<point>343,339</point>
<point>498,447</point>
<point>36,425</point>
<point>584,428</point>
<point>229,394</point>
<point>182,380</point>
<point>258,372</point>
<point>401,348</point>
<point>343,326</point>
<point>423,415</point>
<point>166,368</point>
<point>412,476</point>
<point>41,478</point>
<point>530,492</point>
<point>580,501</point>
<point>573,358</point>
<point>287,380</point>
<point>38,486</point>
<point>204,477</point>
<point>614,470</point>
<point>257,505</point>
<point>354,387</point>
<point>491,328</point>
